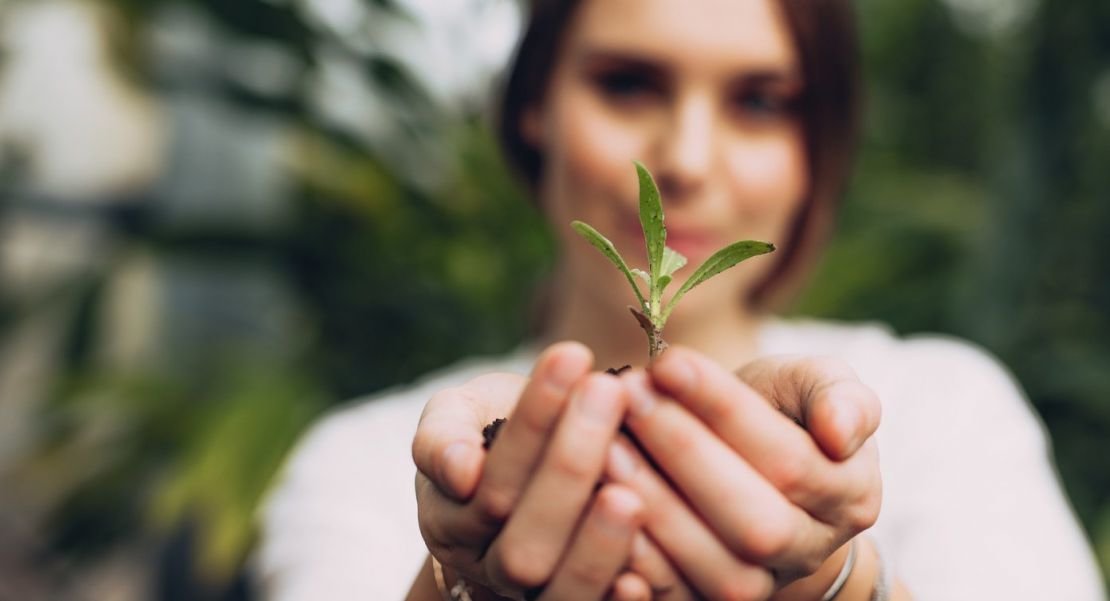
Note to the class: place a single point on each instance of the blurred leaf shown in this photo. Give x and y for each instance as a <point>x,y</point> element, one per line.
<point>726,258</point>
<point>606,247</point>
<point>651,219</point>
<point>230,464</point>
<point>672,261</point>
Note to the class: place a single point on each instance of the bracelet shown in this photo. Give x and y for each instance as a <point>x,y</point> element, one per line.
<point>842,577</point>
<point>460,592</point>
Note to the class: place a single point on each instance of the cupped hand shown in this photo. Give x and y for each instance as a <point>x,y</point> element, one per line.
<point>528,519</point>
<point>751,502</point>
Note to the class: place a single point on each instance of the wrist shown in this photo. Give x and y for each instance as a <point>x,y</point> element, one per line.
<point>450,586</point>
<point>857,587</point>
<point>812,587</point>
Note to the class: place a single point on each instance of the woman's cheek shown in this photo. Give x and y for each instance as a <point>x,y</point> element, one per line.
<point>769,177</point>
<point>599,149</point>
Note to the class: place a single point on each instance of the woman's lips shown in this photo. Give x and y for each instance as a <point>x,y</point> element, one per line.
<point>694,243</point>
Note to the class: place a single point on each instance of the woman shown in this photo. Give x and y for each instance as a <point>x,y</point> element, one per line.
<point>745,112</point>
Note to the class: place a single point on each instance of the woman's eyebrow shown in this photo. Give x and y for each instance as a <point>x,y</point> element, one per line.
<point>770,76</point>
<point>611,58</point>
<point>789,82</point>
<point>606,58</point>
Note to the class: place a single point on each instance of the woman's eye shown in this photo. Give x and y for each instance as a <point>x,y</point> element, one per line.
<point>760,104</point>
<point>627,85</point>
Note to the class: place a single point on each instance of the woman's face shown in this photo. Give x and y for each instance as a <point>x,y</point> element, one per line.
<point>703,92</point>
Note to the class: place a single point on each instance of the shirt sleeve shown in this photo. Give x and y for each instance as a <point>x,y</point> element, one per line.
<point>977,508</point>
<point>341,523</point>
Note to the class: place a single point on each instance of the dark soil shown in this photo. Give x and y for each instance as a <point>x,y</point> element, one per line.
<point>490,431</point>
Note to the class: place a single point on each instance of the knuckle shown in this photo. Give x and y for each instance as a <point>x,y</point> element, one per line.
<point>523,566</point>
<point>570,466</point>
<point>679,441</point>
<point>722,411</point>
<point>769,539</point>
<point>495,504</point>
<point>534,424</point>
<point>863,514</point>
<point>793,474</point>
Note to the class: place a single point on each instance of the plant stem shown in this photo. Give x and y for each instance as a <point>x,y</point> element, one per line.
<point>656,344</point>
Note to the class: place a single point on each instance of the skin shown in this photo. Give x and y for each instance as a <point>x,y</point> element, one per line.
<point>491,519</point>
<point>733,499</point>
<point>701,93</point>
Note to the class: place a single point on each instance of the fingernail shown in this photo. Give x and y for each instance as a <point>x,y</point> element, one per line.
<point>456,462</point>
<point>563,373</point>
<point>641,400</point>
<point>621,466</point>
<point>847,424</point>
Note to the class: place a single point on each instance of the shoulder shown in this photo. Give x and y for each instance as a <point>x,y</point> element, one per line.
<point>929,377</point>
<point>874,346</point>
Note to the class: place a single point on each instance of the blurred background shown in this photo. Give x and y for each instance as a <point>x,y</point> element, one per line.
<point>220,218</point>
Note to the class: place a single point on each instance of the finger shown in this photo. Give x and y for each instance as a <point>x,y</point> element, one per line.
<point>447,526</point>
<point>702,559</point>
<point>600,548</point>
<point>630,587</point>
<point>742,508</point>
<point>521,440</point>
<point>781,452</point>
<point>529,546</point>
<point>447,447</point>
<point>665,582</point>
<point>825,393</point>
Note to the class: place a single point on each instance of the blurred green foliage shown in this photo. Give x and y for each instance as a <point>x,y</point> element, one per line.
<point>980,209</point>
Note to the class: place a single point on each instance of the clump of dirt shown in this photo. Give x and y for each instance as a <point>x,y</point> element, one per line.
<point>490,432</point>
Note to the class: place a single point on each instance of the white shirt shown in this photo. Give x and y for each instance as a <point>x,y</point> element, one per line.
<point>972,505</point>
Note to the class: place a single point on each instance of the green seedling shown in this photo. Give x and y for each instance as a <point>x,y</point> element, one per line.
<point>663,263</point>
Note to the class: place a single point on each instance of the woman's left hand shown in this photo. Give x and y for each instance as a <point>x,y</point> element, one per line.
<point>758,502</point>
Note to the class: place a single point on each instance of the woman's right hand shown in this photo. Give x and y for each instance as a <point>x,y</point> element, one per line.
<point>493,518</point>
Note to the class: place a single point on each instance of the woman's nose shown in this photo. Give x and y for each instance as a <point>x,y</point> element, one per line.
<point>685,149</point>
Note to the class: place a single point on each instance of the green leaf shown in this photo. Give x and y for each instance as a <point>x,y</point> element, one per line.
<point>721,260</point>
<point>663,281</point>
<point>651,219</point>
<point>672,262</point>
<point>606,247</point>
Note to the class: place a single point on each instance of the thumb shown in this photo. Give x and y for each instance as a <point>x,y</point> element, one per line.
<point>823,394</point>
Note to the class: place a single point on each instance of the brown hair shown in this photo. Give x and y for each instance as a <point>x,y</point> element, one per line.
<point>824,33</point>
